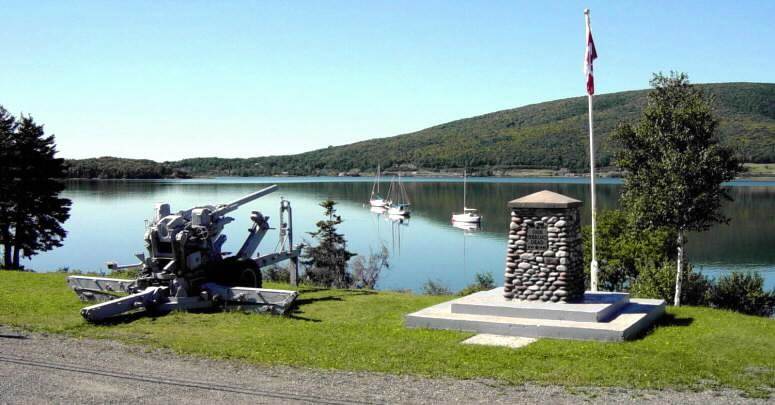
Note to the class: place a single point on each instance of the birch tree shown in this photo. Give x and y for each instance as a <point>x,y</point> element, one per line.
<point>674,165</point>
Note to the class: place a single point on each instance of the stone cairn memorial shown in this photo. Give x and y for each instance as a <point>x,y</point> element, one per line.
<point>544,260</point>
<point>543,293</point>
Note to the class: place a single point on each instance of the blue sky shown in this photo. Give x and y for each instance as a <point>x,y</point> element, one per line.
<point>167,80</point>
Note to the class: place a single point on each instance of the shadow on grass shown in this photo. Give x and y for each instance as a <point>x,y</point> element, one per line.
<point>672,320</point>
<point>666,321</point>
<point>295,310</point>
<point>307,301</point>
<point>130,317</point>
<point>294,315</point>
<point>335,295</point>
<point>354,291</point>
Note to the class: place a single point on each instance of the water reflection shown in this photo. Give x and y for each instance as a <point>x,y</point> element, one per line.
<point>396,223</point>
<point>107,222</point>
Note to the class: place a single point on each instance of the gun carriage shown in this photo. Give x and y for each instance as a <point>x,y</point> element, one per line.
<point>185,268</point>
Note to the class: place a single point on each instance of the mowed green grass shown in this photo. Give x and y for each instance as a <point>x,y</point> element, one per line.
<point>692,348</point>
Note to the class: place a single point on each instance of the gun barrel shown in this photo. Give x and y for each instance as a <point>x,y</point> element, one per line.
<point>229,207</point>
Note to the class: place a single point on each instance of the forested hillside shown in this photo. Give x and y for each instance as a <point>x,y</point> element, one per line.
<point>549,135</point>
<point>119,168</point>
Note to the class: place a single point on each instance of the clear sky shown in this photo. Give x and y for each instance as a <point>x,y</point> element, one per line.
<point>172,79</point>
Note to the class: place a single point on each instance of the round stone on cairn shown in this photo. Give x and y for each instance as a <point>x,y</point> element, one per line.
<point>544,258</point>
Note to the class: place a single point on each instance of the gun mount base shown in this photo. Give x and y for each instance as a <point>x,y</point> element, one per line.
<point>159,300</point>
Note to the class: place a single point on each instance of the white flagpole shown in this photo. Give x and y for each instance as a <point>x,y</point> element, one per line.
<point>593,265</point>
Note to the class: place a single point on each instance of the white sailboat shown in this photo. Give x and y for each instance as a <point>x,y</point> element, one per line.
<point>376,199</point>
<point>469,215</point>
<point>399,201</point>
<point>378,210</point>
<point>467,227</point>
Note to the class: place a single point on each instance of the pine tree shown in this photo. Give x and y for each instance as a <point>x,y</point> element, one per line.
<point>7,130</point>
<point>327,262</point>
<point>31,211</point>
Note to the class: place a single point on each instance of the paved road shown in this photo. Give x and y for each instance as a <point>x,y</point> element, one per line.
<point>36,368</point>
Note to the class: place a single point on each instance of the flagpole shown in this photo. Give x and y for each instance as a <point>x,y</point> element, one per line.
<point>593,265</point>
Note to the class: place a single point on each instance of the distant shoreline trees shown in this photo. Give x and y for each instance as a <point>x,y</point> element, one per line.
<point>31,211</point>
<point>120,168</point>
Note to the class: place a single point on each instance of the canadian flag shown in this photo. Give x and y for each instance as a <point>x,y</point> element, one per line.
<point>589,56</point>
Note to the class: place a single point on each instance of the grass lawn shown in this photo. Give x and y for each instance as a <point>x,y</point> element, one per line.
<point>693,348</point>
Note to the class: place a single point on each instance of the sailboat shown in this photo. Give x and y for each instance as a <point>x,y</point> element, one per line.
<point>376,200</point>
<point>399,200</point>
<point>467,227</point>
<point>469,215</point>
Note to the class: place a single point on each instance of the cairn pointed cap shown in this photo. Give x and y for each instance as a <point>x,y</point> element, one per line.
<point>545,199</point>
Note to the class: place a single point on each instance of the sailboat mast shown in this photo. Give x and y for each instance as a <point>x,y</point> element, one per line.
<point>464,188</point>
<point>375,186</point>
<point>401,191</point>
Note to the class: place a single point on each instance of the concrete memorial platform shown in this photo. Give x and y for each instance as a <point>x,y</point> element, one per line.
<point>595,306</point>
<point>624,318</point>
<point>543,290</point>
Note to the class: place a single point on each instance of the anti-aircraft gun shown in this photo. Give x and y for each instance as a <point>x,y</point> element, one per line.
<point>186,269</point>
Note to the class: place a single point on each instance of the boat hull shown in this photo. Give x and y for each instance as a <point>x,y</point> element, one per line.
<point>466,218</point>
<point>398,211</point>
<point>378,203</point>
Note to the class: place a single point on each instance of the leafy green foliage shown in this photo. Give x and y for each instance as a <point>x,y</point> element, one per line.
<point>31,211</point>
<point>643,263</point>
<point>623,249</point>
<point>659,282</point>
<point>435,288</point>
<point>327,262</point>
<point>674,164</point>
<point>551,135</point>
<point>482,282</point>
<point>743,292</point>
<point>276,273</point>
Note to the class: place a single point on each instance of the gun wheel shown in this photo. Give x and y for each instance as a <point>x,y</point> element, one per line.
<point>250,276</point>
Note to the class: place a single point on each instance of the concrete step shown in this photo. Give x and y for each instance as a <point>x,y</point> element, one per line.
<point>596,306</point>
<point>636,316</point>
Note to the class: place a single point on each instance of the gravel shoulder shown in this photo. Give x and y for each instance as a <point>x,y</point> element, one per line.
<point>39,368</point>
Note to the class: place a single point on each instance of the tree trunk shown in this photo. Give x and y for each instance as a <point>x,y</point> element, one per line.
<point>680,270</point>
<point>7,255</point>
<point>16,258</point>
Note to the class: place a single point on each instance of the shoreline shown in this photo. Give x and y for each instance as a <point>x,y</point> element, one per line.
<point>423,175</point>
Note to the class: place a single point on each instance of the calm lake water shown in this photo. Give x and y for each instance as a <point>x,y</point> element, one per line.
<point>107,223</point>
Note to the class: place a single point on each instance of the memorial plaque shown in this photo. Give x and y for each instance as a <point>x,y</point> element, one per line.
<point>537,238</point>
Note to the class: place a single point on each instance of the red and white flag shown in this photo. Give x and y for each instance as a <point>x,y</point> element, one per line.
<point>589,56</point>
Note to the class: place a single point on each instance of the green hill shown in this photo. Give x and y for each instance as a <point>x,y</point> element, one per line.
<point>551,135</point>
<point>120,168</point>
